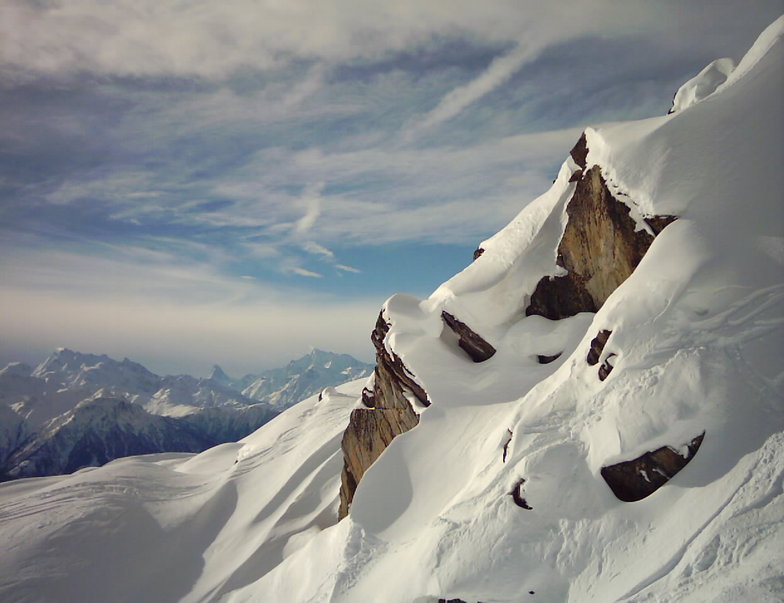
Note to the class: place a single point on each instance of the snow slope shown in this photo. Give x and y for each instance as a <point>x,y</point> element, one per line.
<point>697,331</point>
<point>171,527</point>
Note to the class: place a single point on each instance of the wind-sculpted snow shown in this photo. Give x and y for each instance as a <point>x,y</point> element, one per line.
<point>696,347</point>
<point>703,84</point>
<point>694,335</point>
<point>172,527</point>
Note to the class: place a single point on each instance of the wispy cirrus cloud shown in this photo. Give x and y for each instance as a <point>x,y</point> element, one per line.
<point>147,38</point>
<point>497,73</point>
<point>216,161</point>
<point>345,268</point>
<point>315,248</point>
<point>311,199</point>
<point>305,272</point>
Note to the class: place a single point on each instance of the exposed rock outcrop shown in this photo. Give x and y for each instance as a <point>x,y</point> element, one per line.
<point>471,342</point>
<point>392,378</point>
<point>606,368</point>
<point>595,352</point>
<point>579,152</point>
<point>517,495</point>
<point>599,249</point>
<point>597,346</point>
<point>369,432</point>
<point>388,413</point>
<point>543,359</point>
<point>506,444</point>
<point>634,480</point>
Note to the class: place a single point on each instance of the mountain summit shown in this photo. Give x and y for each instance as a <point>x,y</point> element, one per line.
<point>218,375</point>
<point>303,377</point>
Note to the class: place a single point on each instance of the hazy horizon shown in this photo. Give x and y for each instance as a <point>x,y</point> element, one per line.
<point>35,361</point>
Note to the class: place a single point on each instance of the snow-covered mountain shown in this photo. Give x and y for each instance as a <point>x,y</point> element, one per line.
<point>301,378</point>
<point>67,377</point>
<point>593,410</point>
<point>52,422</point>
<point>98,430</point>
<point>151,528</point>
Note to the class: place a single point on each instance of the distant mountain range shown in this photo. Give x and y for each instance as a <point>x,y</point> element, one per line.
<point>75,410</point>
<point>301,378</point>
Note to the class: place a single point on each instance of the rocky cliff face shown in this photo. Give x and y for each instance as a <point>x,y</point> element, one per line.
<point>601,246</point>
<point>388,413</point>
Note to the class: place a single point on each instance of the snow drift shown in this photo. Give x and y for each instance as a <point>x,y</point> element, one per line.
<point>498,494</point>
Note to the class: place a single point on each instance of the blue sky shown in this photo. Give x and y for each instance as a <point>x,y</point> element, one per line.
<point>194,182</point>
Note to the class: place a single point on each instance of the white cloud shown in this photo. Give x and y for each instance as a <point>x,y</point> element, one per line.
<point>498,72</point>
<point>306,88</point>
<point>305,272</point>
<point>437,194</point>
<point>291,101</point>
<point>345,268</point>
<point>311,199</point>
<point>212,39</point>
<point>316,249</point>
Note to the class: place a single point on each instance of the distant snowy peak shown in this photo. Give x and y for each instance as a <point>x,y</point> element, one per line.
<point>13,432</point>
<point>217,374</point>
<point>104,426</point>
<point>181,394</point>
<point>16,369</point>
<point>304,377</point>
<point>77,370</point>
<point>73,403</point>
<point>67,376</point>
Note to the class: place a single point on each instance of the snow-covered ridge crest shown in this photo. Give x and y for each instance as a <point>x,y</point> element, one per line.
<point>682,347</point>
<point>703,84</point>
<point>677,164</point>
